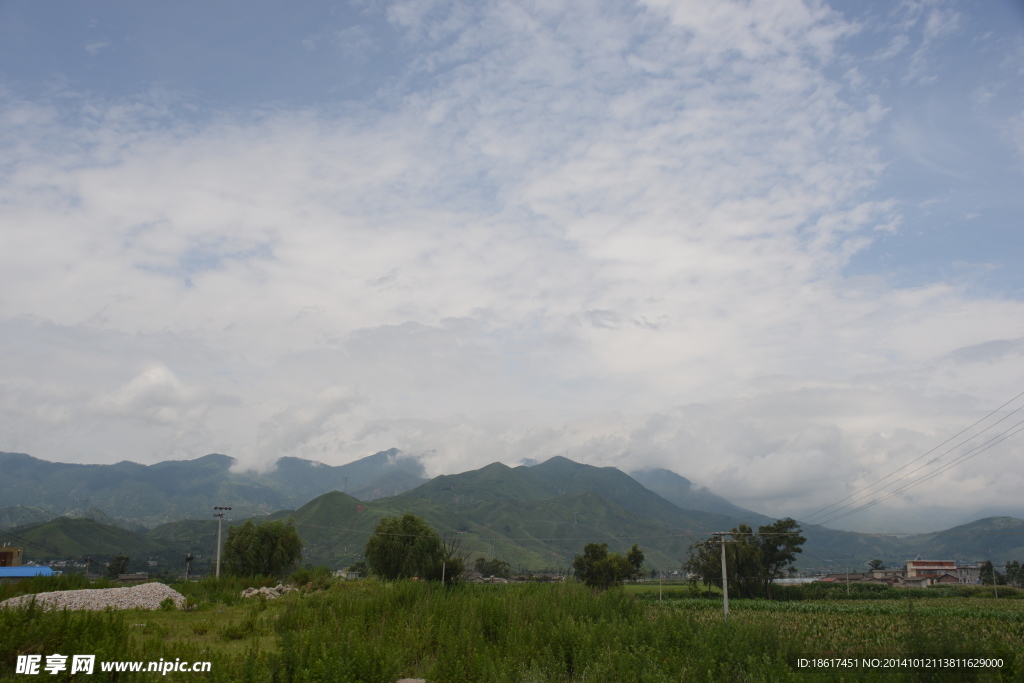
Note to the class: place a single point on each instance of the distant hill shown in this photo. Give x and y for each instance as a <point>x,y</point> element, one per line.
<point>680,491</point>
<point>67,537</point>
<point>387,485</point>
<point>176,489</point>
<point>993,538</point>
<point>20,515</point>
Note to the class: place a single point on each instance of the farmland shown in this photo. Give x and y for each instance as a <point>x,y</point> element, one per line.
<point>370,631</point>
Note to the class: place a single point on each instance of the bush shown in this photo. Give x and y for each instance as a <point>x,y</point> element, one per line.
<point>313,578</point>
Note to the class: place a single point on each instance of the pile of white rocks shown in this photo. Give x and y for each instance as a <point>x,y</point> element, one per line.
<point>269,593</point>
<point>142,596</point>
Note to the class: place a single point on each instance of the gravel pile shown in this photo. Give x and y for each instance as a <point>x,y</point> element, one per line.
<point>142,596</point>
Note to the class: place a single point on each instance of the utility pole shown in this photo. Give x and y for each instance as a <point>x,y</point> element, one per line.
<point>220,519</point>
<point>725,579</point>
<point>88,567</point>
<point>847,580</point>
<point>188,565</point>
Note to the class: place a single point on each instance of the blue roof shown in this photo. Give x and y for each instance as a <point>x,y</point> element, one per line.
<point>24,572</point>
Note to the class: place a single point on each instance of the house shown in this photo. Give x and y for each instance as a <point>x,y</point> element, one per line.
<point>141,577</point>
<point>930,567</point>
<point>969,573</point>
<point>10,556</point>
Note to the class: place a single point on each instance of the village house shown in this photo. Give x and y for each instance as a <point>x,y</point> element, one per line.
<point>914,574</point>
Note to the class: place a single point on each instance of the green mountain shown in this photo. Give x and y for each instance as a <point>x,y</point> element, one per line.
<point>20,515</point>
<point>533,517</point>
<point>387,485</point>
<point>992,538</point>
<point>176,489</point>
<point>66,537</point>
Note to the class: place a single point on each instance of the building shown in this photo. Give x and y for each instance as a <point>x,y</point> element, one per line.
<point>141,577</point>
<point>969,573</point>
<point>10,556</point>
<point>930,567</point>
<point>13,574</point>
<point>916,574</point>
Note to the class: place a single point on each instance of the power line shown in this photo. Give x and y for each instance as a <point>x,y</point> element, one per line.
<point>819,513</point>
<point>960,460</point>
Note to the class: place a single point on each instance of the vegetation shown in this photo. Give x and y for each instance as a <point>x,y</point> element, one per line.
<point>383,631</point>
<point>118,566</point>
<point>406,547</point>
<point>493,567</point>
<point>753,560</point>
<point>597,568</point>
<point>271,548</point>
<point>1013,573</point>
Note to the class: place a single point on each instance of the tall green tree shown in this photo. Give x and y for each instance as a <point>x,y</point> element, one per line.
<point>753,560</point>
<point>119,565</point>
<point>1013,574</point>
<point>405,547</point>
<point>988,573</point>
<point>780,542</point>
<point>601,569</point>
<point>876,565</point>
<point>268,548</point>
<point>493,567</point>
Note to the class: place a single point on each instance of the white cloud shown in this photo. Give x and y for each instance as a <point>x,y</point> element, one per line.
<point>94,47</point>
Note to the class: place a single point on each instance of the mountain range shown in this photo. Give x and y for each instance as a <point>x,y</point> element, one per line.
<point>532,516</point>
<point>136,494</point>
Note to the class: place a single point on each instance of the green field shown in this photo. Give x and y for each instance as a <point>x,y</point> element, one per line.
<point>370,631</point>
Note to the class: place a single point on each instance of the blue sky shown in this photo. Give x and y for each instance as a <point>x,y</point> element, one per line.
<point>773,245</point>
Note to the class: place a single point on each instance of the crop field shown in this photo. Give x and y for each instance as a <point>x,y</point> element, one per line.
<point>370,631</point>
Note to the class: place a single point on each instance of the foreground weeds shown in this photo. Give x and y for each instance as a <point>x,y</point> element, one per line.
<point>368,631</point>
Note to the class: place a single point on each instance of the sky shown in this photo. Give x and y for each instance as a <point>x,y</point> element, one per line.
<point>772,245</point>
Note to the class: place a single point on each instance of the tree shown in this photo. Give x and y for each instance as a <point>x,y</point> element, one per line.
<point>876,565</point>
<point>753,560</point>
<point>119,565</point>
<point>493,567</point>
<point>269,548</point>
<point>596,567</point>
<point>987,570</point>
<point>780,542</point>
<point>405,547</point>
<point>1013,574</point>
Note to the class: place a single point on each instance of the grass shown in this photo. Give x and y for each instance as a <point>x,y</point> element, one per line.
<point>369,631</point>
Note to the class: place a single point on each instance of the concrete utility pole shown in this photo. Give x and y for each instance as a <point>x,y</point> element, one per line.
<point>725,580</point>
<point>220,519</point>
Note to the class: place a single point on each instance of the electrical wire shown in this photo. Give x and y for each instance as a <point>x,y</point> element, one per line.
<point>958,461</point>
<point>809,519</point>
